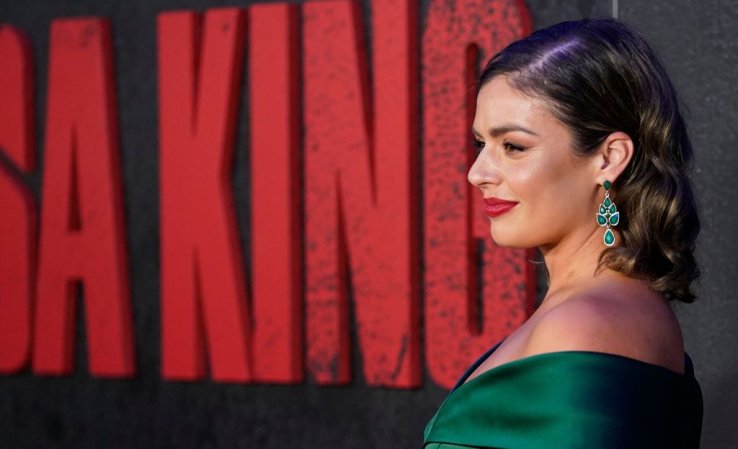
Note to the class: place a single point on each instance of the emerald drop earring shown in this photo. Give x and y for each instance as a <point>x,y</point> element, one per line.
<point>608,215</point>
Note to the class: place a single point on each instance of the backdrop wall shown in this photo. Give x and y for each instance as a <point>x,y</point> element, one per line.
<point>699,44</point>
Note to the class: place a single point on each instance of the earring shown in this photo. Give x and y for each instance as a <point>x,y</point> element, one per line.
<point>608,215</point>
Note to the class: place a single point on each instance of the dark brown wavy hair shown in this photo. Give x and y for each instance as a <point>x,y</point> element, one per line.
<point>600,76</point>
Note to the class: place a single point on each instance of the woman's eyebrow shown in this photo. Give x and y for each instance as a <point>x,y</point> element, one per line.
<point>500,130</point>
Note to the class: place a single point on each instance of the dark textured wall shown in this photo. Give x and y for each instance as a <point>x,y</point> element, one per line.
<point>699,43</point>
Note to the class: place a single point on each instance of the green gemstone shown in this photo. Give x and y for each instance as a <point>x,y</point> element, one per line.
<point>615,218</point>
<point>602,209</point>
<point>612,208</point>
<point>609,238</point>
<point>607,202</point>
<point>601,220</point>
<point>607,185</point>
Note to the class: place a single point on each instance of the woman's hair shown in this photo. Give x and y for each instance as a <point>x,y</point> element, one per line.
<point>600,76</point>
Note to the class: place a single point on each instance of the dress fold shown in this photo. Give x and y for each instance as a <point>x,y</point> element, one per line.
<point>570,400</point>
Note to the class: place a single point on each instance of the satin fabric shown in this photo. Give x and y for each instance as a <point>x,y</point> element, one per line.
<point>570,400</point>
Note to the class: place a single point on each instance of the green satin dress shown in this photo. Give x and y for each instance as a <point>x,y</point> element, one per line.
<point>570,400</point>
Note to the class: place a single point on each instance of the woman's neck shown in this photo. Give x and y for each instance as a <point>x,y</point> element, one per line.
<point>572,263</point>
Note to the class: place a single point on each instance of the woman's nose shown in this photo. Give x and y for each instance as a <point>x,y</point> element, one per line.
<point>483,171</point>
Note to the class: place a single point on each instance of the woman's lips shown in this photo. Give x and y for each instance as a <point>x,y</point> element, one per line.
<point>496,207</point>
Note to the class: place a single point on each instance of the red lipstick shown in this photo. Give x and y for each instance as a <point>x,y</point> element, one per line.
<point>496,207</point>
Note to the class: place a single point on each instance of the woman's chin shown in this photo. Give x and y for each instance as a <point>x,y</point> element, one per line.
<point>509,238</point>
<point>508,241</point>
<point>504,237</point>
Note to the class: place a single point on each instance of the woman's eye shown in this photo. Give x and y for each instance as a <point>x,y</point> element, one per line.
<point>478,145</point>
<point>511,147</point>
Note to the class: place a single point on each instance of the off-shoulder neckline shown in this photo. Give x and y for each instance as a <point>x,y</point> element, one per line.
<point>687,374</point>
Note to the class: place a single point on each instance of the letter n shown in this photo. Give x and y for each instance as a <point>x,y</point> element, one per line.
<point>203,290</point>
<point>82,241</point>
<point>463,267</point>
<point>361,198</point>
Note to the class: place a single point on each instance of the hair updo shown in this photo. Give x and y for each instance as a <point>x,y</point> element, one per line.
<point>600,76</point>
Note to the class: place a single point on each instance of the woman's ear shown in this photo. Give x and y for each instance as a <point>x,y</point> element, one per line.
<point>613,156</point>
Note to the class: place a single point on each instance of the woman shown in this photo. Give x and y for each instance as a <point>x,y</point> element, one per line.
<point>583,153</point>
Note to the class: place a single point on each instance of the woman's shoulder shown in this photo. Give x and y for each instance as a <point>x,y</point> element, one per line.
<point>623,318</point>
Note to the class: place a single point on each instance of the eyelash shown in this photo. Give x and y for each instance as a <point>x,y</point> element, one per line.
<point>512,147</point>
<point>509,147</point>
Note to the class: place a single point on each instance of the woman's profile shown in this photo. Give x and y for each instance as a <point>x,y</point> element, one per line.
<point>584,154</point>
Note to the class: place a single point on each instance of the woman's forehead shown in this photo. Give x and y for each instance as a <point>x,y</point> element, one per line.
<point>498,102</point>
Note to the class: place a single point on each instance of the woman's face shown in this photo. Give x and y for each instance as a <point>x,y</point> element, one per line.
<point>526,161</point>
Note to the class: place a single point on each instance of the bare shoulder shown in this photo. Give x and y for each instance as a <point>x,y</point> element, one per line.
<point>626,319</point>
